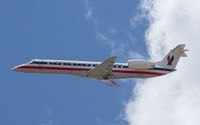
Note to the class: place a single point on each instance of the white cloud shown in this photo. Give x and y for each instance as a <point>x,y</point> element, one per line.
<point>135,55</point>
<point>132,39</point>
<point>88,13</point>
<point>88,10</point>
<point>104,39</point>
<point>47,117</point>
<point>116,47</point>
<point>47,122</point>
<point>113,31</point>
<point>109,35</point>
<point>175,98</point>
<point>137,19</point>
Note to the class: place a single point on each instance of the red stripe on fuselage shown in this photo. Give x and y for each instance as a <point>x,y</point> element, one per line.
<point>84,69</point>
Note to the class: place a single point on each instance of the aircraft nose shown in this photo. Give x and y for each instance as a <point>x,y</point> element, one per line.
<point>18,68</point>
<point>15,68</point>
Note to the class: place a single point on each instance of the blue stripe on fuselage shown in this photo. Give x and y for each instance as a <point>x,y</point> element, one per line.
<point>163,69</point>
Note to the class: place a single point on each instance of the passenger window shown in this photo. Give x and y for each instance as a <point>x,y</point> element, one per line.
<point>43,62</point>
<point>67,64</point>
<point>52,63</point>
<point>89,64</point>
<point>94,65</point>
<point>125,66</point>
<point>119,66</point>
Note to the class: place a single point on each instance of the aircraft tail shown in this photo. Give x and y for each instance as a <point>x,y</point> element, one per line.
<point>172,58</point>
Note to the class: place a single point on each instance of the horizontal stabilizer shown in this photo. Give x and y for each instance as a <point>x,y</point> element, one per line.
<point>111,83</point>
<point>180,49</point>
<point>184,54</point>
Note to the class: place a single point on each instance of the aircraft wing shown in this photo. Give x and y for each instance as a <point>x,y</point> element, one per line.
<point>111,83</point>
<point>104,69</point>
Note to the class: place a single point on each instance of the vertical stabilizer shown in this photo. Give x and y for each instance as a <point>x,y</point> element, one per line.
<point>172,58</point>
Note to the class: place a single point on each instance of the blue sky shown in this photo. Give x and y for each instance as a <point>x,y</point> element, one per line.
<point>48,29</point>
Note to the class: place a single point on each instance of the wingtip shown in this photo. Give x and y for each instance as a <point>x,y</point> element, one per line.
<point>118,86</point>
<point>113,57</point>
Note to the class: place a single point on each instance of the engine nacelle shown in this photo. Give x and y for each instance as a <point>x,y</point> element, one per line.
<point>136,64</point>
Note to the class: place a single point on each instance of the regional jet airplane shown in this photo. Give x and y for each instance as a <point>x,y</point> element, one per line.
<point>106,71</point>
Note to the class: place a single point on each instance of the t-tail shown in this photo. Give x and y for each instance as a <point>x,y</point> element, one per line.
<point>172,58</point>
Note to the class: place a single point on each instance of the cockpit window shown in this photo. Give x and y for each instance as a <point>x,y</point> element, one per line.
<point>32,62</point>
<point>35,62</point>
<point>38,62</point>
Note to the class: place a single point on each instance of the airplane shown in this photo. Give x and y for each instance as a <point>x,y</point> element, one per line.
<point>107,71</point>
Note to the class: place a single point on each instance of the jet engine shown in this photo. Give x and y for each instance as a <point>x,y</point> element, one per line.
<point>136,64</point>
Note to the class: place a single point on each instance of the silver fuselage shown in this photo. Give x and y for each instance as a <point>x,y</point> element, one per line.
<point>81,68</point>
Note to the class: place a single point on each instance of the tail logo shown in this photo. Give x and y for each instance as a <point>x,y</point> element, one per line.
<point>170,60</point>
